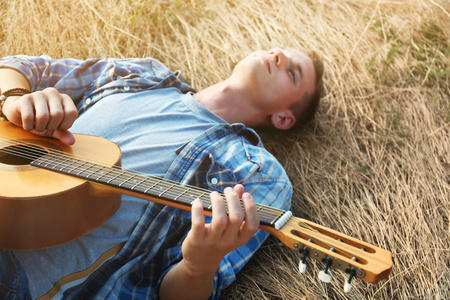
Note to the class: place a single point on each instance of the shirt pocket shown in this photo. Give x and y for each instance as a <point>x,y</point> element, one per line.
<point>244,167</point>
<point>219,176</point>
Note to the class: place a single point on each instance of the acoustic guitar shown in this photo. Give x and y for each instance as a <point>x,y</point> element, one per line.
<point>51,193</point>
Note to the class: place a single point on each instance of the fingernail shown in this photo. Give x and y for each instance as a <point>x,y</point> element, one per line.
<point>246,196</point>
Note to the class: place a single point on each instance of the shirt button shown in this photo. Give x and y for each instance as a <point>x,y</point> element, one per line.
<point>214,181</point>
<point>126,88</point>
<point>88,101</point>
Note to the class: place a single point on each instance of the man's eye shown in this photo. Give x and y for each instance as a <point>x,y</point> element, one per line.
<point>292,75</point>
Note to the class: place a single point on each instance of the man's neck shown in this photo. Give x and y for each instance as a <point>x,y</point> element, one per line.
<point>228,103</point>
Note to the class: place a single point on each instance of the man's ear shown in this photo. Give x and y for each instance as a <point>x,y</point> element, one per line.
<point>283,119</point>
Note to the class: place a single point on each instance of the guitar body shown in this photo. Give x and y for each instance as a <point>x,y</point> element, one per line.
<point>40,208</point>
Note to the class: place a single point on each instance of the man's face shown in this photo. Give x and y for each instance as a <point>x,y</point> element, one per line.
<point>275,79</point>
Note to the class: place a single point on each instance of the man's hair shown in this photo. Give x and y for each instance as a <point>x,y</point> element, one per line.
<point>306,116</point>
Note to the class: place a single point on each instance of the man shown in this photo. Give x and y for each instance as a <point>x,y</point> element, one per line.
<point>166,129</point>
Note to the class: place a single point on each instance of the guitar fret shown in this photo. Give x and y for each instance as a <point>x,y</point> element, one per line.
<point>184,192</point>
<point>72,161</point>
<point>57,164</point>
<point>128,179</point>
<point>118,175</point>
<point>75,167</point>
<point>109,170</point>
<point>203,194</point>
<point>84,170</point>
<point>166,190</point>
<point>94,171</point>
<point>78,167</point>
<point>143,180</point>
<point>41,163</point>
<point>152,186</point>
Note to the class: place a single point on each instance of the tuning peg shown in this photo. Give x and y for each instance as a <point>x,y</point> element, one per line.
<point>302,267</point>
<point>347,287</point>
<point>302,264</point>
<point>324,276</point>
<point>348,284</point>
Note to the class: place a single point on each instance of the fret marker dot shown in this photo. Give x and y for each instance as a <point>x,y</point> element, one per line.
<point>214,181</point>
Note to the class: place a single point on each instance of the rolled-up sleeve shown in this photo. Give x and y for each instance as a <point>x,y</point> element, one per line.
<point>69,76</point>
<point>81,78</point>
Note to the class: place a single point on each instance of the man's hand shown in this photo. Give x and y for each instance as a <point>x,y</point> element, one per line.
<point>207,244</point>
<point>45,113</point>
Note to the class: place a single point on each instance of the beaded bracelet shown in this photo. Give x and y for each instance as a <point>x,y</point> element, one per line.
<point>9,93</point>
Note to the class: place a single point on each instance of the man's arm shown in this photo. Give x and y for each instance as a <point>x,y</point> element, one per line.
<point>46,113</point>
<point>11,79</point>
<point>207,244</point>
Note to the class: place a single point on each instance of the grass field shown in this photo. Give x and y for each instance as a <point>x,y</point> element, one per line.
<point>375,164</point>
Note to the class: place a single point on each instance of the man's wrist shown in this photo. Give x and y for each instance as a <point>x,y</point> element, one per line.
<point>16,92</point>
<point>199,270</point>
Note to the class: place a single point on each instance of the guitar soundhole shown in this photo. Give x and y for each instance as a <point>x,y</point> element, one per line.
<point>21,154</point>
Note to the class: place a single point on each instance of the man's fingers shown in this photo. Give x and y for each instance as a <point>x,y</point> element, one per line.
<point>41,111</point>
<point>70,112</point>
<point>239,189</point>
<point>45,113</point>
<point>235,211</point>
<point>65,136</point>
<point>61,109</point>
<point>56,113</point>
<point>219,216</point>
<point>197,219</point>
<point>24,113</point>
<point>252,222</point>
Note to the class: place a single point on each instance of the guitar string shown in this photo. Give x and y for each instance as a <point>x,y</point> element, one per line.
<point>170,186</point>
<point>38,153</point>
<point>169,189</point>
<point>118,171</point>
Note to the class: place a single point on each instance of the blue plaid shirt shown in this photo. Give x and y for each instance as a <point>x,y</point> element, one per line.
<point>224,155</point>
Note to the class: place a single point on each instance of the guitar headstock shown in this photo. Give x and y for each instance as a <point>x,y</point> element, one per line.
<point>352,256</point>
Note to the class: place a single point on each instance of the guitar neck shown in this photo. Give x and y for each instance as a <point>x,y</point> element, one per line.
<point>147,187</point>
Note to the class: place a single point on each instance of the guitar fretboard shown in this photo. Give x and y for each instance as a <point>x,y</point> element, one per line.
<point>146,185</point>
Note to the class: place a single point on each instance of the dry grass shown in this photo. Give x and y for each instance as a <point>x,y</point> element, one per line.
<point>376,162</point>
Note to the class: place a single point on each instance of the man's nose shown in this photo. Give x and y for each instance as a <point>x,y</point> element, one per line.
<point>280,58</point>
